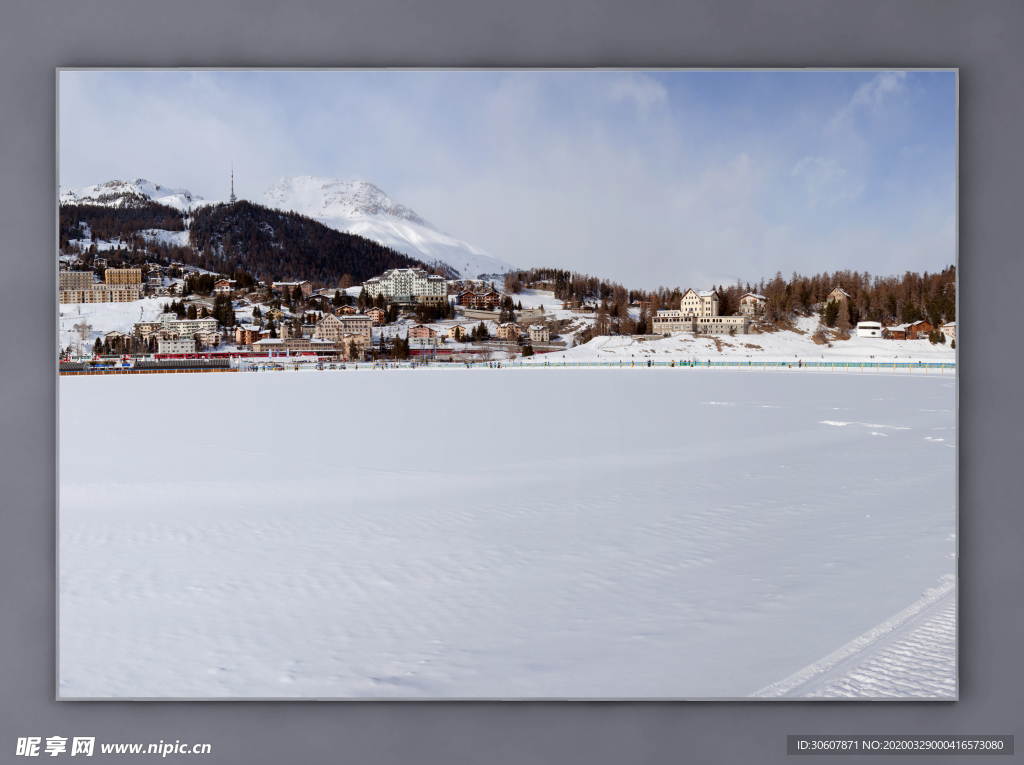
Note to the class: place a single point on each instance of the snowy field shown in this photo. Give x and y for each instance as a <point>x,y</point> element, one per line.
<point>784,345</point>
<point>106,317</point>
<point>516,534</point>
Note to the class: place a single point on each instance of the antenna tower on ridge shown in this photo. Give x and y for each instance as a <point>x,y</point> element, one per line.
<point>232,198</point>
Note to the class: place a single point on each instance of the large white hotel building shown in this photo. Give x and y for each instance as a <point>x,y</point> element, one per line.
<point>408,285</point>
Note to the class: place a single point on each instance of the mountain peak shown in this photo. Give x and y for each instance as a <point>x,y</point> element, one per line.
<point>361,208</point>
<point>130,193</point>
<point>333,198</point>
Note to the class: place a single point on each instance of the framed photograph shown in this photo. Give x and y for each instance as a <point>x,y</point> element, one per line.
<point>499,384</point>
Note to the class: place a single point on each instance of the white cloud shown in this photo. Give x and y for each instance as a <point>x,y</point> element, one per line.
<point>826,181</point>
<point>646,91</point>
<point>872,95</point>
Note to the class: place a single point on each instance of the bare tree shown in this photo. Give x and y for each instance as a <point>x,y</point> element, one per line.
<point>83,329</point>
<point>843,319</point>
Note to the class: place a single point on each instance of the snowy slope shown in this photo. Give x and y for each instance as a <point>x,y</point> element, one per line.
<point>361,208</point>
<point>785,345</point>
<point>124,193</point>
<point>594,550</point>
<point>105,317</point>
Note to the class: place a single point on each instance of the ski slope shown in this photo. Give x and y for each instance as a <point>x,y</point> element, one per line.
<point>105,317</point>
<point>620,534</point>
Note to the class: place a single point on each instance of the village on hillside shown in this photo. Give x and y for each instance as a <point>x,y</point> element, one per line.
<point>116,314</point>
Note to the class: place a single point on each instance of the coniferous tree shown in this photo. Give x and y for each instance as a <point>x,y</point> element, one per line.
<point>831,313</point>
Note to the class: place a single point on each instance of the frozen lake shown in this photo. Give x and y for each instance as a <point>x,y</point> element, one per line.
<point>498,534</point>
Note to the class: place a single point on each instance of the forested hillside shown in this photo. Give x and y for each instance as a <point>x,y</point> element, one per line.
<point>269,244</point>
<point>117,223</point>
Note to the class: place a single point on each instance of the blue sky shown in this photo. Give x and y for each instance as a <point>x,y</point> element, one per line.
<point>648,178</point>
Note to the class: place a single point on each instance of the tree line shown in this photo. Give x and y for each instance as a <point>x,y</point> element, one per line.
<point>887,299</point>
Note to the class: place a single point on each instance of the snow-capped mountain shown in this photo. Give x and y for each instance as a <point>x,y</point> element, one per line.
<point>127,193</point>
<point>358,207</point>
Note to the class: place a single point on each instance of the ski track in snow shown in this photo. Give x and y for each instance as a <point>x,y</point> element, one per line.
<point>915,658</point>
<point>566,535</point>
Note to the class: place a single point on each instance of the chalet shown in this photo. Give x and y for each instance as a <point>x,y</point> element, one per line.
<point>481,301</point>
<point>919,330</point>
<point>421,331</point>
<point>508,331</point>
<point>223,286</point>
<point>306,288</point>
<point>323,302</point>
<point>246,334</point>
<point>489,299</point>
<point>458,333</point>
<point>349,310</point>
<point>539,334</point>
<point>377,315</point>
<point>752,304</point>
<point>949,330</point>
<point>837,295</point>
<point>899,332</point>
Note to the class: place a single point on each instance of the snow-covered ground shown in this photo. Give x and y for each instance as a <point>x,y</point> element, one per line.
<point>783,345</point>
<point>105,317</point>
<point>462,533</point>
<point>911,655</point>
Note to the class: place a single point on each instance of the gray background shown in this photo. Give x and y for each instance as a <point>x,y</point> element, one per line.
<point>982,38</point>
